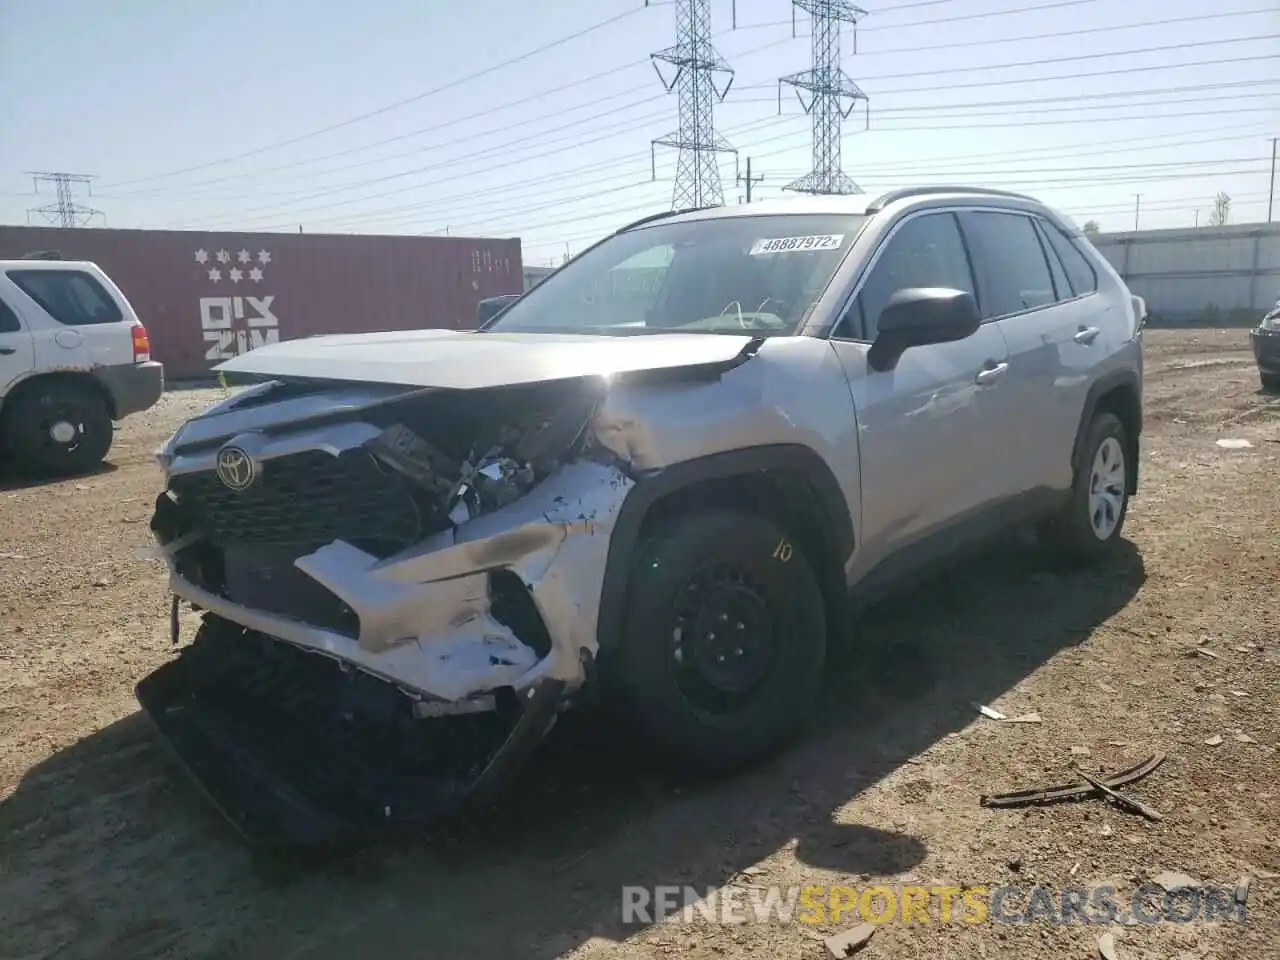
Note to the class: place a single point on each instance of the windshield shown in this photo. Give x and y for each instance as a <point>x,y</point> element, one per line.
<point>757,275</point>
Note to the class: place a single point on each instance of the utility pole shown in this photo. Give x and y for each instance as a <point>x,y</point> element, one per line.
<point>749,180</point>
<point>1137,208</point>
<point>697,64</point>
<point>832,93</point>
<point>64,211</point>
<point>1271,194</point>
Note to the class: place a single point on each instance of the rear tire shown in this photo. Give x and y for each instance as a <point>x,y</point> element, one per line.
<point>1089,526</point>
<point>722,657</point>
<point>58,430</point>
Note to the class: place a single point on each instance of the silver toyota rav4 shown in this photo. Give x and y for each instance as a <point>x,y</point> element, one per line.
<point>654,481</point>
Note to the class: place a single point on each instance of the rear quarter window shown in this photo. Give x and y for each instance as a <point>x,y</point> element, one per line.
<point>8,319</point>
<point>71,297</point>
<point>1084,280</point>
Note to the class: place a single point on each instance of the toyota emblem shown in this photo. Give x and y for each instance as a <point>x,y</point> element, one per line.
<point>236,469</point>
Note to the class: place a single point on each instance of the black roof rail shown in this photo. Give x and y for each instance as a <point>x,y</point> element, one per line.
<point>43,255</point>
<point>659,216</point>
<point>895,195</point>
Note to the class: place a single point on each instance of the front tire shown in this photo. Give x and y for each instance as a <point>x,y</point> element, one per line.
<point>58,430</point>
<point>1090,524</point>
<point>1270,382</point>
<point>722,656</point>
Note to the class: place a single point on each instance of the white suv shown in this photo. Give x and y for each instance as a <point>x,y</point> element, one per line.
<point>73,358</point>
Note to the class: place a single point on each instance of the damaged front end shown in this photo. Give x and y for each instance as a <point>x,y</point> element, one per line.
<point>400,590</point>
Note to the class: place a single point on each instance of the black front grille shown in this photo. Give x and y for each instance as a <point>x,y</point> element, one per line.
<point>307,500</point>
<point>264,578</point>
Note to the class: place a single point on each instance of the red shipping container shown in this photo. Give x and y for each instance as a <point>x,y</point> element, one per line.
<point>206,297</point>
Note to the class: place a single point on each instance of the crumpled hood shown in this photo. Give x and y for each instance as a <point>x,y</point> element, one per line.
<point>469,360</point>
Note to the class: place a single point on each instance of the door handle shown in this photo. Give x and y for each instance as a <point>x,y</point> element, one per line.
<point>989,375</point>
<point>1086,335</point>
<point>6,351</point>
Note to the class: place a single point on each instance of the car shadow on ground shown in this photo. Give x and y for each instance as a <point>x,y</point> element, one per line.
<point>542,871</point>
<point>12,479</point>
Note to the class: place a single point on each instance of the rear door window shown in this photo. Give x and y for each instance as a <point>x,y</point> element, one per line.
<point>71,297</point>
<point>1012,270</point>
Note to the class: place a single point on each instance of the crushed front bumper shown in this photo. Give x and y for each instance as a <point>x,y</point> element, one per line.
<point>294,749</point>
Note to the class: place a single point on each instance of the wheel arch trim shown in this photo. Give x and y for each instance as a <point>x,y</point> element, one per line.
<point>1122,379</point>
<point>654,487</point>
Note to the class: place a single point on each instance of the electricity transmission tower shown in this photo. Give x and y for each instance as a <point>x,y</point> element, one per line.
<point>697,68</point>
<point>64,211</point>
<point>832,94</point>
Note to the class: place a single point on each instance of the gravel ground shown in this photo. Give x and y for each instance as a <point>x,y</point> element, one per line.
<point>106,851</point>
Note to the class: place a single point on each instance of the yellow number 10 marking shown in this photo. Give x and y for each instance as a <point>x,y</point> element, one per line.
<point>782,551</point>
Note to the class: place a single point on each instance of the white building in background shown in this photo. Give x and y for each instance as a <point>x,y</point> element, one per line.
<point>1225,274</point>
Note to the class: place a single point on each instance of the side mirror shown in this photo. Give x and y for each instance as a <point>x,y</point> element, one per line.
<point>918,316</point>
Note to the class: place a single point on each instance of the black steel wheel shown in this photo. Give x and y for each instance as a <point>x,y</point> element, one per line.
<point>725,643</point>
<point>61,429</point>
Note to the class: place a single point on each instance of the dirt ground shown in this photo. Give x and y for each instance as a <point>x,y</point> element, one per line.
<point>107,851</point>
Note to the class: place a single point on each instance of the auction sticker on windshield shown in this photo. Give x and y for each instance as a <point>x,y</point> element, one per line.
<point>830,241</point>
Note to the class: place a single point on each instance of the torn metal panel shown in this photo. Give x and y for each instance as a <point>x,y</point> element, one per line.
<point>471,360</point>
<point>424,615</point>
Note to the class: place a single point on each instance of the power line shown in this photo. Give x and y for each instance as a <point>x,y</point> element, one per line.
<point>1075,58</point>
<point>452,84</point>
<point>1092,151</point>
<point>886,112</point>
<point>1075,181</point>
<point>538,188</point>
<point>594,235</point>
<point>640,209</point>
<point>252,215</point>
<point>540,183</point>
<point>566,86</point>
<point>928,173</point>
<point>1062,34</point>
<point>1121,71</point>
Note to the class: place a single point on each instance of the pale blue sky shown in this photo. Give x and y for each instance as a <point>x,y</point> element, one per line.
<point>136,90</point>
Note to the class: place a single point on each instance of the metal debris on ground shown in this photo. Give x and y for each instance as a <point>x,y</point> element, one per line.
<point>1073,791</point>
<point>849,942</point>
<point>1127,803</point>
<point>991,713</point>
